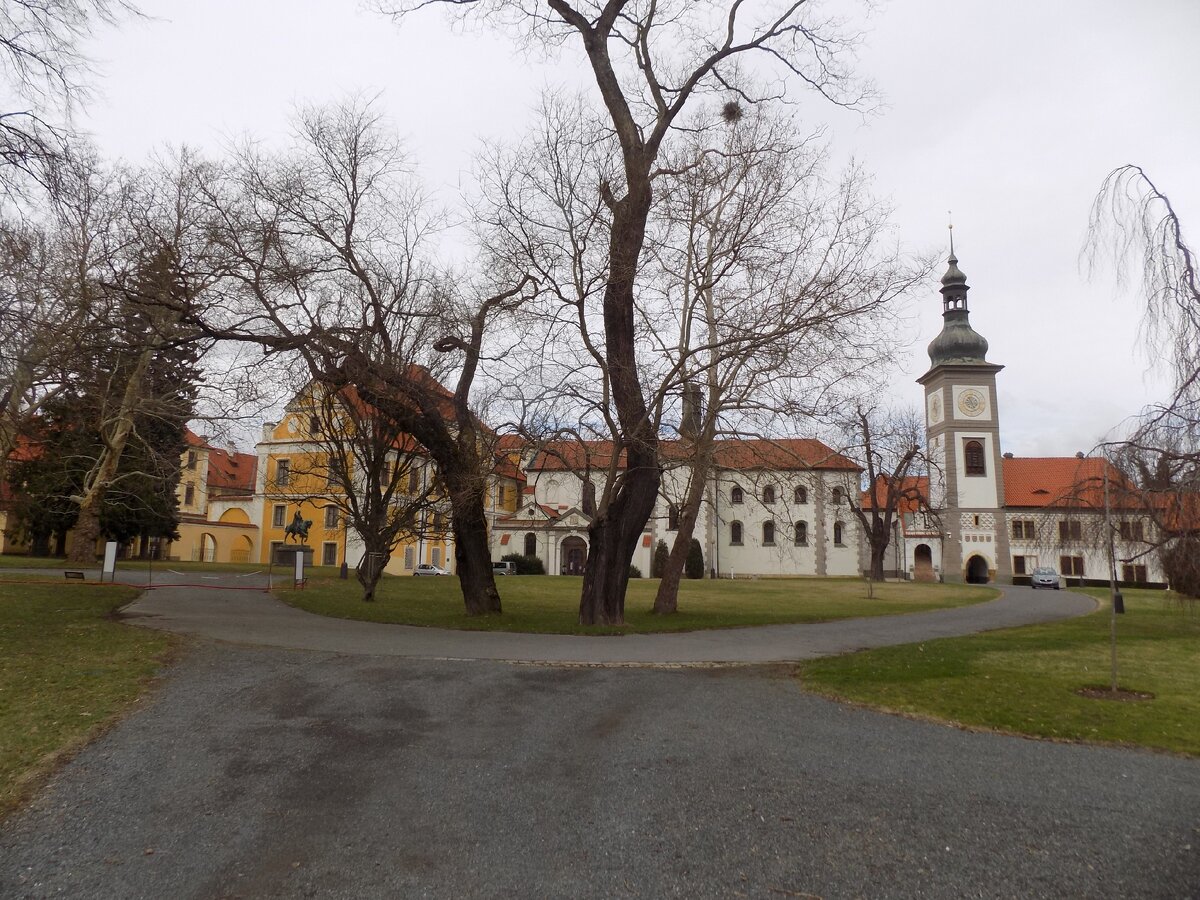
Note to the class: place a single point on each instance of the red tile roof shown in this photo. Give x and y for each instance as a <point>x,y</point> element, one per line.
<point>762,453</point>
<point>913,490</point>
<point>1064,481</point>
<point>231,471</point>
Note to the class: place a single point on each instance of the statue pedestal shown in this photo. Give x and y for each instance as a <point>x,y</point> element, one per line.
<point>285,555</point>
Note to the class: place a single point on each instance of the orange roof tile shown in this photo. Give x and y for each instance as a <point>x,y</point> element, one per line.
<point>1064,481</point>
<point>761,453</point>
<point>914,490</point>
<point>231,471</point>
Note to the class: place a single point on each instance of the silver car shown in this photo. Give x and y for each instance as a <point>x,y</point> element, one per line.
<point>427,569</point>
<point>1044,577</point>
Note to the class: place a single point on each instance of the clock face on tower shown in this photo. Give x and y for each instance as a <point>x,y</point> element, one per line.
<point>972,403</point>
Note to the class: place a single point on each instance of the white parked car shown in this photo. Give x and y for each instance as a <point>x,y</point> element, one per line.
<point>429,569</point>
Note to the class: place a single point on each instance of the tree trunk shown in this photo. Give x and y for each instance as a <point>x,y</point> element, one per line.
<point>877,557</point>
<point>369,570</point>
<point>473,557</point>
<point>102,473</point>
<point>614,538</point>
<point>666,601</point>
<point>879,545</point>
<point>615,532</point>
<point>86,533</point>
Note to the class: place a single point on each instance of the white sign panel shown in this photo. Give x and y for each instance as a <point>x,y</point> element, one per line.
<point>110,560</point>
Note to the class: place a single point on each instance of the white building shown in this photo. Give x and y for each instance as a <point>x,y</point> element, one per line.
<point>771,507</point>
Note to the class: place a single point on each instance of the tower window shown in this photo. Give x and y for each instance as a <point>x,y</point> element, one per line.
<point>973,456</point>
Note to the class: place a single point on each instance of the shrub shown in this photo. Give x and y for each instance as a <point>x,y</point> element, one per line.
<point>526,565</point>
<point>1181,565</point>
<point>658,564</point>
<point>635,572</point>
<point>694,567</point>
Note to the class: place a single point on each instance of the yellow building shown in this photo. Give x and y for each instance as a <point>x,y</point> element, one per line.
<point>216,505</point>
<point>294,478</point>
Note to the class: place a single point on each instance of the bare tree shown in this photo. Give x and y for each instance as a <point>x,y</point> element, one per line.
<point>46,78</point>
<point>649,62</point>
<point>363,468</point>
<point>327,255</point>
<point>771,288</point>
<point>152,262</point>
<point>1134,223</point>
<point>890,446</point>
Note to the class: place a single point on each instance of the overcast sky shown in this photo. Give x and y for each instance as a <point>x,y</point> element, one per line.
<point>1010,114</point>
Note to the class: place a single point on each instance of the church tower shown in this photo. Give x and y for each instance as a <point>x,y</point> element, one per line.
<point>962,427</point>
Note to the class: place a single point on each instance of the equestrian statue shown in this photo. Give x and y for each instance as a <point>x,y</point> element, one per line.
<point>297,529</point>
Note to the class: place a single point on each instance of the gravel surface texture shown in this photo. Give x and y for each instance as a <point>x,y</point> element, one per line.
<point>251,616</point>
<point>267,773</point>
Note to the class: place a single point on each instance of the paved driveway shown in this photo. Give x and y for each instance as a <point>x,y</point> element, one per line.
<point>352,768</point>
<point>255,617</point>
<point>264,773</point>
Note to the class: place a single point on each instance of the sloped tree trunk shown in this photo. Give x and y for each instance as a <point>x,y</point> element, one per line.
<point>616,530</point>
<point>666,601</point>
<point>472,556</point>
<point>87,526</point>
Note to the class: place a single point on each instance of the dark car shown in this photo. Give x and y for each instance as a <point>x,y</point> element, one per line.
<point>1044,577</point>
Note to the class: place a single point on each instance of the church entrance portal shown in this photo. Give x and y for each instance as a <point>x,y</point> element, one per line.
<point>977,570</point>
<point>574,555</point>
<point>923,563</point>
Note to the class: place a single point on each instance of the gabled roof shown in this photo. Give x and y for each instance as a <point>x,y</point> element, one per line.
<point>231,471</point>
<point>778,454</point>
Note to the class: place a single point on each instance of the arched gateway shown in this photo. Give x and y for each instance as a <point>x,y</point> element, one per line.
<point>977,570</point>
<point>573,556</point>
<point>923,563</point>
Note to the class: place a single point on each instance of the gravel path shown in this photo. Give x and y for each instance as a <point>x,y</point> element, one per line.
<point>256,618</point>
<point>264,773</point>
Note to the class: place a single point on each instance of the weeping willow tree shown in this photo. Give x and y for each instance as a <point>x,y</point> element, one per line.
<point>1135,225</point>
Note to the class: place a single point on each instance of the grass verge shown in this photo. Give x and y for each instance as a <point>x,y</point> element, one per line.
<point>68,669</point>
<point>1024,680</point>
<point>550,603</point>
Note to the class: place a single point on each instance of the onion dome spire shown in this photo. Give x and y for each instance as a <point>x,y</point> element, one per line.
<point>958,343</point>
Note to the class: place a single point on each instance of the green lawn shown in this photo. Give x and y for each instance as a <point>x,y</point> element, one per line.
<point>550,603</point>
<point>8,561</point>
<point>67,669</point>
<point>1023,680</point>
